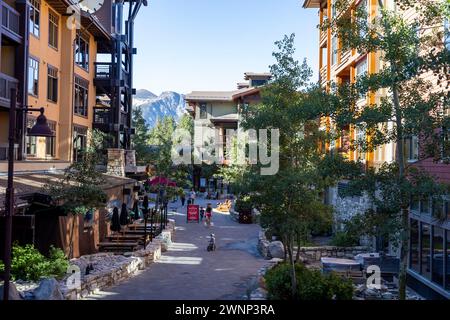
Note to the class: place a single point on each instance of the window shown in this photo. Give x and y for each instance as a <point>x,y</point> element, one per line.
<point>425,205</point>
<point>81,97</point>
<point>363,10</point>
<point>258,83</point>
<point>414,246</point>
<point>361,141</point>
<point>333,8</point>
<point>412,148</point>
<point>437,274</point>
<point>425,250</point>
<point>203,111</point>
<point>79,142</point>
<point>30,141</point>
<point>362,70</point>
<point>33,76</point>
<point>415,204</point>
<point>82,50</point>
<point>50,142</point>
<point>35,7</point>
<point>52,84</point>
<point>334,50</point>
<point>53,22</point>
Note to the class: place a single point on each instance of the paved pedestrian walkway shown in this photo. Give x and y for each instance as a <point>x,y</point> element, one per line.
<point>188,272</point>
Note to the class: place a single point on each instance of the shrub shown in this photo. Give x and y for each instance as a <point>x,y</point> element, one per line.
<point>243,205</point>
<point>311,284</point>
<point>58,262</point>
<point>28,263</point>
<point>344,239</point>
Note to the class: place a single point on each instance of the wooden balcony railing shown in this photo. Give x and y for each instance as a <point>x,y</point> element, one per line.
<point>103,70</point>
<point>6,84</point>
<point>344,58</point>
<point>323,75</point>
<point>323,35</point>
<point>102,115</point>
<point>10,19</point>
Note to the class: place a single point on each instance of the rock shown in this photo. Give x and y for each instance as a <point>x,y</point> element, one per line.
<point>48,290</point>
<point>276,249</point>
<point>13,293</point>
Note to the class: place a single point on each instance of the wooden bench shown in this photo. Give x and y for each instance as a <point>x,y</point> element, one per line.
<point>125,238</point>
<point>118,246</point>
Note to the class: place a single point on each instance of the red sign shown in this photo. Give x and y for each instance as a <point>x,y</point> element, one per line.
<point>193,213</point>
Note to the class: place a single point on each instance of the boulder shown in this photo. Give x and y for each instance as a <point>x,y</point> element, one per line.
<point>13,293</point>
<point>276,249</point>
<point>48,290</point>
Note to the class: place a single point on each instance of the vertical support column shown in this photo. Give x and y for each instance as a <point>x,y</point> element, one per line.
<point>21,71</point>
<point>116,162</point>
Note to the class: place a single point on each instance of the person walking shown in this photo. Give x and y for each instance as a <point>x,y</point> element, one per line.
<point>183,199</point>
<point>208,214</point>
<point>192,196</point>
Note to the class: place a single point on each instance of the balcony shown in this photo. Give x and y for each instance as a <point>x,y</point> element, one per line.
<point>10,22</point>
<point>323,76</point>
<point>323,37</point>
<point>6,84</point>
<point>102,118</point>
<point>344,60</point>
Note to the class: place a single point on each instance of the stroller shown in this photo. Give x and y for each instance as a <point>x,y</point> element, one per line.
<point>212,243</point>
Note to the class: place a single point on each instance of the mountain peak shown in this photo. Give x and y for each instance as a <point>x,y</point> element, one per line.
<point>145,94</point>
<point>154,108</point>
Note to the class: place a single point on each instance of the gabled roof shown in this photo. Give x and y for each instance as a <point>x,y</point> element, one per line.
<point>220,95</point>
<point>312,3</point>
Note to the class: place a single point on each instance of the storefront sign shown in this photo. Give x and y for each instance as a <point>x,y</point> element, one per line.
<point>193,213</point>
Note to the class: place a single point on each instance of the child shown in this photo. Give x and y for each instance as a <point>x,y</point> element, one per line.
<point>208,214</point>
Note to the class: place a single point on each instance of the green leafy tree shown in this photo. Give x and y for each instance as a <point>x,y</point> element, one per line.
<point>79,190</point>
<point>141,137</point>
<point>290,201</point>
<point>412,53</point>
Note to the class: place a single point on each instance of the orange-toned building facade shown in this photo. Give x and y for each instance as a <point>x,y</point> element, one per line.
<point>429,257</point>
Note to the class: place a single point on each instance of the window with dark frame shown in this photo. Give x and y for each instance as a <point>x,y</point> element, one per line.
<point>81,96</point>
<point>53,21</point>
<point>82,50</point>
<point>35,13</point>
<point>33,77</point>
<point>30,141</point>
<point>203,111</point>
<point>52,84</point>
<point>79,142</point>
<point>50,142</point>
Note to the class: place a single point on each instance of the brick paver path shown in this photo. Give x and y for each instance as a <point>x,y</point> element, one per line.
<point>188,271</point>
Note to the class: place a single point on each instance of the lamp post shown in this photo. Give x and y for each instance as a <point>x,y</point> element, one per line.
<point>40,129</point>
<point>145,212</point>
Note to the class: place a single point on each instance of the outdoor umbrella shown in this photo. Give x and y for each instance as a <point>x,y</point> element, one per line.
<point>124,215</point>
<point>115,222</point>
<point>136,210</point>
<point>163,181</point>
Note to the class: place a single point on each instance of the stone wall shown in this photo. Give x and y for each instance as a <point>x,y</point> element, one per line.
<point>116,162</point>
<point>313,254</point>
<point>346,208</point>
<point>110,269</point>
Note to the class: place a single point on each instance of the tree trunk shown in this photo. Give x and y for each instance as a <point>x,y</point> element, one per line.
<point>404,233</point>
<point>297,256</point>
<point>292,263</point>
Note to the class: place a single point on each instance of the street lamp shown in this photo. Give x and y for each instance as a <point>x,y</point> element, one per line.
<point>40,129</point>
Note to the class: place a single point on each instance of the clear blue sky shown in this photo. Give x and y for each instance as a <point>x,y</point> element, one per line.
<point>187,45</point>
